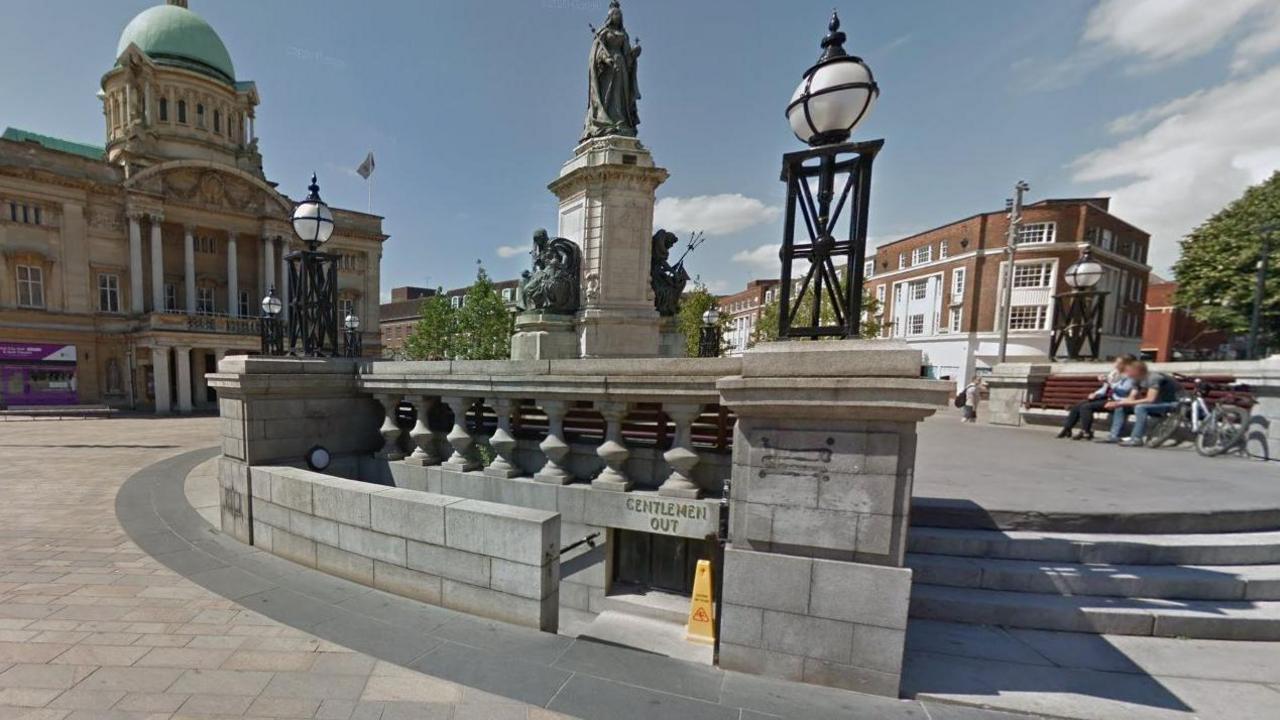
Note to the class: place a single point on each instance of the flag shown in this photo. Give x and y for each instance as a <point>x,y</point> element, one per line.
<point>366,167</point>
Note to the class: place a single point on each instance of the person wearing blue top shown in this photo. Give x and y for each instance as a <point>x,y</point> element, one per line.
<point>1153,394</point>
<point>1115,386</point>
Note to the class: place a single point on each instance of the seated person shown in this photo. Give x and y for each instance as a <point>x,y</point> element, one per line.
<point>1115,386</point>
<point>1154,394</point>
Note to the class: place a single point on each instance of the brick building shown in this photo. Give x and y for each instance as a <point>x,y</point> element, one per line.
<point>1170,333</point>
<point>399,317</point>
<point>940,290</point>
<point>743,310</point>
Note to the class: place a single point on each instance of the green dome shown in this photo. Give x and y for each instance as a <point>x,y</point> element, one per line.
<point>173,35</point>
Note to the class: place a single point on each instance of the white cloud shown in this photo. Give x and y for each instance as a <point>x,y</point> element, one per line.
<point>713,214</point>
<point>1202,151</point>
<point>1165,31</point>
<point>762,260</point>
<point>1264,40</point>
<point>510,251</point>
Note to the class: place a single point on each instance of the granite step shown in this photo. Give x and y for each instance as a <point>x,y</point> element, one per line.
<point>1248,548</point>
<point>1182,582</point>
<point>1207,619</point>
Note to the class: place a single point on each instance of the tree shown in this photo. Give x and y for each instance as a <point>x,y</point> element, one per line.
<point>479,330</point>
<point>689,318</point>
<point>1217,271</point>
<point>432,338</point>
<point>484,324</point>
<point>766,329</point>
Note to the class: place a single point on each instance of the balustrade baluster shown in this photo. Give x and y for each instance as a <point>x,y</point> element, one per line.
<point>554,446</point>
<point>390,430</point>
<point>613,451</point>
<point>681,456</point>
<point>463,458</point>
<point>423,437</point>
<point>502,442</point>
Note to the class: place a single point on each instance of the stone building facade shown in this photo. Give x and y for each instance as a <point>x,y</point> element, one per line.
<point>941,292</point>
<point>127,270</point>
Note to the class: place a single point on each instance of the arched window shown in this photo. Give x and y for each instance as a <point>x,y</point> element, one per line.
<point>164,110</point>
<point>217,121</point>
<point>182,111</point>
<point>200,115</point>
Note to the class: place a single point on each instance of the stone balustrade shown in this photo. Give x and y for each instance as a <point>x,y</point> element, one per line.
<point>618,424</point>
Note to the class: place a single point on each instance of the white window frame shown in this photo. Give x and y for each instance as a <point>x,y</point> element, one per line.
<point>922,255</point>
<point>919,288</point>
<point>455,302</point>
<point>955,322</point>
<point>205,304</point>
<point>902,260</point>
<point>1041,233</point>
<point>346,306</point>
<point>1028,317</point>
<point>244,303</point>
<point>170,298</point>
<point>944,250</point>
<point>1022,275</point>
<point>880,297</point>
<point>915,325</point>
<point>30,279</point>
<point>957,283</point>
<point>868,268</point>
<point>108,292</point>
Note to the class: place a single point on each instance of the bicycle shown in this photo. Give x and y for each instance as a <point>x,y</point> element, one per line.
<point>1215,426</point>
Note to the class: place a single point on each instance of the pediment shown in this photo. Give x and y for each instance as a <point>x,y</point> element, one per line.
<point>212,187</point>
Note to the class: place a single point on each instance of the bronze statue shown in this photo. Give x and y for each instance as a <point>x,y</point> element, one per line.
<point>611,85</point>
<point>668,280</point>
<point>552,286</point>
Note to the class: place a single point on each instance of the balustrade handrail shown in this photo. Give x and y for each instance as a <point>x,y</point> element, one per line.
<point>206,322</point>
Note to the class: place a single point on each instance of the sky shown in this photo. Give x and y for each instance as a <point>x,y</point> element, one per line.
<point>1167,106</point>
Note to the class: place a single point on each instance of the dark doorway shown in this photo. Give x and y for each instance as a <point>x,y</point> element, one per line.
<point>661,562</point>
<point>210,366</point>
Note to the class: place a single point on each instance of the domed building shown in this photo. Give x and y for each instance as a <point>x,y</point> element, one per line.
<point>128,269</point>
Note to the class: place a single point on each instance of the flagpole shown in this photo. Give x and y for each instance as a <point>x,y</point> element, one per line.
<point>370,188</point>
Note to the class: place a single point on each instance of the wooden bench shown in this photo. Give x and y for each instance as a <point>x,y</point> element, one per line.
<point>1063,392</point>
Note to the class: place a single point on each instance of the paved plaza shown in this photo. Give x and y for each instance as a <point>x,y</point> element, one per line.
<point>93,626</point>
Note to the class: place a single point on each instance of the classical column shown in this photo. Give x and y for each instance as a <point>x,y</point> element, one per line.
<point>553,445</point>
<point>390,430</point>
<point>189,267</point>
<point>157,265</point>
<point>424,439</point>
<point>613,451</point>
<point>136,301</point>
<point>463,458</point>
<point>268,265</point>
<point>233,277</point>
<point>182,377</point>
<point>681,456</point>
<point>283,287</point>
<point>160,377</point>
<point>502,442</point>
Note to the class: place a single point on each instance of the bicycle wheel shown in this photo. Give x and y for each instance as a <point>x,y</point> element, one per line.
<point>1222,430</point>
<point>1166,429</point>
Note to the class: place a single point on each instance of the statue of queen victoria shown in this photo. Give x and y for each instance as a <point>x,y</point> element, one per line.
<point>611,85</point>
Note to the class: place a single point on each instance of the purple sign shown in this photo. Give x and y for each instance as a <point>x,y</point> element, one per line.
<point>36,352</point>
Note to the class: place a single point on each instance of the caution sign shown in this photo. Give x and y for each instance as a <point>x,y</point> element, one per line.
<point>701,611</point>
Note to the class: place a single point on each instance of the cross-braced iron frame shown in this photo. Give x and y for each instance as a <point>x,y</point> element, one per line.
<point>1077,323</point>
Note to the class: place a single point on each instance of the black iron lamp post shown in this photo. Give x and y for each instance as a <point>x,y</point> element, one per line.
<point>1077,313</point>
<point>351,328</point>
<point>835,95</point>
<point>313,281</point>
<point>272,337</point>
<point>709,337</point>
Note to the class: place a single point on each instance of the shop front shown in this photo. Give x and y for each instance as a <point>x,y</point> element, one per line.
<point>37,374</point>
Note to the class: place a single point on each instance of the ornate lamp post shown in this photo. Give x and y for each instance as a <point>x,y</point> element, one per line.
<point>272,337</point>
<point>709,338</point>
<point>1077,313</point>
<point>313,281</point>
<point>833,98</point>
<point>351,328</point>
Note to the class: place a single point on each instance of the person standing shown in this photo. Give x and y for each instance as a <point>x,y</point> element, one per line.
<point>970,408</point>
<point>1115,386</point>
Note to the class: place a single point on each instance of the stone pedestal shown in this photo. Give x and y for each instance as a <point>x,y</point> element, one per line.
<point>671,342</point>
<point>1009,387</point>
<point>823,457</point>
<point>544,336</point>
<point>606,193</point>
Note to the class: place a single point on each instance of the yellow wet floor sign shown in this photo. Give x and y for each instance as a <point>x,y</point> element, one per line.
<point>701,610</point>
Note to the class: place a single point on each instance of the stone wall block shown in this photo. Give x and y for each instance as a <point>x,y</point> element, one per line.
<point>314,528</point>
<point>807,636</point>
<point>758,661</point>
<point>865,493</point>
<point>531,581</point>
<point>292,547</point>
<point>446,562</point>
<point>859,593</point>
<point>741,625</point>
<point>355,568</point>
<point>503,531</point>
<point>882,455</point>
<point>345,501</point>
<point>849,677</point>
<point>767,580</point>
<point>812,528</point>
<point>785,449</point>
<point>269,513</point>
<point>291,492</point>
<point>881,535</point>
<point>878,648</point>
<point>410,514</point>
<point>496,605</point>
<point>262,534</point>
<point>407,583</point>
<point>371,544</point>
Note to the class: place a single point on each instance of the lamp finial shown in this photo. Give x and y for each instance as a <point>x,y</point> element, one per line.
<point>833,43</point>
